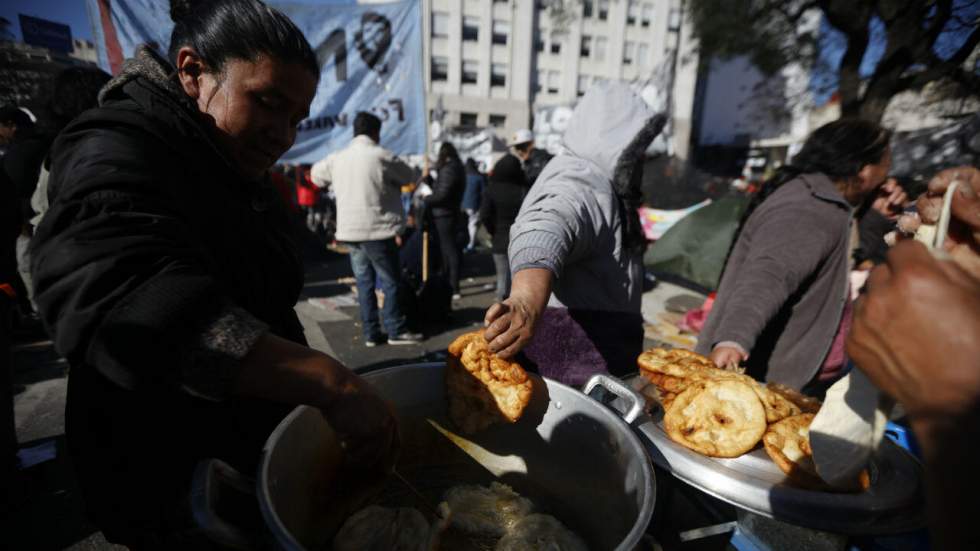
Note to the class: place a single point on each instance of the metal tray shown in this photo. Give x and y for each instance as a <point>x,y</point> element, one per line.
<point>893,504</point>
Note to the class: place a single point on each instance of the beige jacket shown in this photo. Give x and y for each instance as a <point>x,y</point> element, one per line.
<point>366,180</point>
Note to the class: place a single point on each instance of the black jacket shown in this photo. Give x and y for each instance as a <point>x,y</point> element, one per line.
<point>502,200</point>
<point>156,269</point>
<point>535,164</point>
<point>447,190</point>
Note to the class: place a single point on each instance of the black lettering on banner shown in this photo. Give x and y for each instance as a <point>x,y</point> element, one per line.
<point>397,104</point>
<point>373,40</point>
<point>335,45</point>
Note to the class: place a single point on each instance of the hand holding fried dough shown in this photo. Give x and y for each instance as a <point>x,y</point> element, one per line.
<point>510,324</point>
<point>483,388</point>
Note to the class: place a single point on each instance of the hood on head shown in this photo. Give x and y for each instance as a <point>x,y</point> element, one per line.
<point>611,125</point>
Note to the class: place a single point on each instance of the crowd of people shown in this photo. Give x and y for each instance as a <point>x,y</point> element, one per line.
<point>144,224</point>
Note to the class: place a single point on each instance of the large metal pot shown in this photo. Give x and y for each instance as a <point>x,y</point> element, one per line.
<point>574,457</point>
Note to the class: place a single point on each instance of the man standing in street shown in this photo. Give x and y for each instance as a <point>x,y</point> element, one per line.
<point>366,180</point>
<point>533,160</point>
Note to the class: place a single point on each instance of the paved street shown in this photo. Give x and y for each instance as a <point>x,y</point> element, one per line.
<point>49,512</point>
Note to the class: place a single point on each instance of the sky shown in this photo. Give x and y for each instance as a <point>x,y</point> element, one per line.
<point>68,12</point>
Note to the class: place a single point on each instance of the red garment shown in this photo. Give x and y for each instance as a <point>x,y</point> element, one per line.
<point>306,191</point>
<point>836,360</point>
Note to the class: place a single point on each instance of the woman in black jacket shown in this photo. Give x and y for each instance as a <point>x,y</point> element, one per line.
<point>167,274</point>
<point>501,203</point>
<point>444,207</point>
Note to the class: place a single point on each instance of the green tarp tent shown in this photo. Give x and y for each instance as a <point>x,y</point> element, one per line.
<point>696,247</point>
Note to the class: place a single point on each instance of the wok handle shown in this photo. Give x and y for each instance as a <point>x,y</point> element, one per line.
<point>213,479</point>
<point>617,387</point>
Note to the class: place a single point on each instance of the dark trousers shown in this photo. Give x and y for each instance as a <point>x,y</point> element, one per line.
<point>377,261</point>
<point>8,430</point>
<point>446,230</point>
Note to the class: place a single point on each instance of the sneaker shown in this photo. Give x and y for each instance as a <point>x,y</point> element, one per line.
<point>371,343</point>
<point>406,338</point>
<point>456,296</point>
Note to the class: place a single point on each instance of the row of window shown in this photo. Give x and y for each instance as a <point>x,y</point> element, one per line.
<point>596,47</point>
<point>470,70</point>
<point>635,11</point>
<point>499,31</point>
<point>469,119</point>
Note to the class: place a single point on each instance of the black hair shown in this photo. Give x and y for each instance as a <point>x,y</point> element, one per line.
<point>220,30</point>
<point>11,114</point>
<point>471,165</point>
<point>367,124</point>
<point>447,154</point>
<point>508,169</point>
<point>74,90</point>
<point>839,150</point>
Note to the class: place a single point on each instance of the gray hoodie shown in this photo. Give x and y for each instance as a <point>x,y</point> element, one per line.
<point>571,221</point>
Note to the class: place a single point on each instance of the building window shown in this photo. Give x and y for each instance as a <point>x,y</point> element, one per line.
<point>601,43</point>
<point>642,50</point>
<point>586,49</point>
<point>500,1</point>
<point>500,31</point>
<point>583,85</point>
<point>647,16</point>
<point>629,51</point>
<point>471,28</point>
<point>632,12</point>
<point>498,121</point>
<point>498,74</point>
<point>603,10</point>
<point>538,45</point>
<point>539,82</point>
<point>556,43</point>
<point>553,78</point>
<point>440,24</point>
<point>587,6</point>
<point>467,119</point>
<point>440,68</point>
<point>470,70</point>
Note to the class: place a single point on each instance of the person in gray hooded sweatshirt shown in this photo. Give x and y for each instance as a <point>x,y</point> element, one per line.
<point>576,247</point>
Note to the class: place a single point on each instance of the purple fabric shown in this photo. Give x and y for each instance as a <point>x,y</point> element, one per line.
<point>570,346</point>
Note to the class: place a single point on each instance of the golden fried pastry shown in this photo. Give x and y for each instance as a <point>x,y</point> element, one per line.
<point>676,362</point>
<point>788,444</point>
<point>777,407</point>
<point>483,389</point>
<point>802,401</point>
<point>723,418</point>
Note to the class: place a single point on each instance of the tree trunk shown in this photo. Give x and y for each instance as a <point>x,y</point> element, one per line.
<point>873,107</point>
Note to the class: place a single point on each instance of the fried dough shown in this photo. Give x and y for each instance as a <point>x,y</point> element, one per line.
<point>806,403</point>
<point>484,511</point>
<point>676,362</point>
<point>723,418</point>
<point>788,444</point>
<point>483,389</point>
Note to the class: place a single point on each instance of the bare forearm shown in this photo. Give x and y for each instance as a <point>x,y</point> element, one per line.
<point>533,285</point>
<point>283,371</point>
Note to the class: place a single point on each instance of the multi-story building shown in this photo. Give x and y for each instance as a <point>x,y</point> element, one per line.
<point>491,63</point>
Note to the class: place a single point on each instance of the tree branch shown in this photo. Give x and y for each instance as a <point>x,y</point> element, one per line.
<point>936,68</point>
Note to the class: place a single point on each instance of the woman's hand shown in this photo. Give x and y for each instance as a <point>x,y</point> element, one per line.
<point>283,371</point>
<point>510,324</point>
<point>890,199</point>
<point>365,424</point>
<point>725,356</point>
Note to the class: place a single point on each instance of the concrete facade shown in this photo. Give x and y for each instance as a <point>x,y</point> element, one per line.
<point>492,63</point>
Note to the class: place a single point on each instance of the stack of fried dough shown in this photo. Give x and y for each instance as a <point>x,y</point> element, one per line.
<point>725,413</point>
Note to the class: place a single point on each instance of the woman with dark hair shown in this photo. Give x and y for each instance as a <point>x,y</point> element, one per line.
<point>783,304</point>
<point>443,207</point>
<point>501,203</point>
<point>577,245</point>
<point>167,274</point>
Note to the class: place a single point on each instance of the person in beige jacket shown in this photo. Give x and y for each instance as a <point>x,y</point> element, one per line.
<point>366,180</point>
